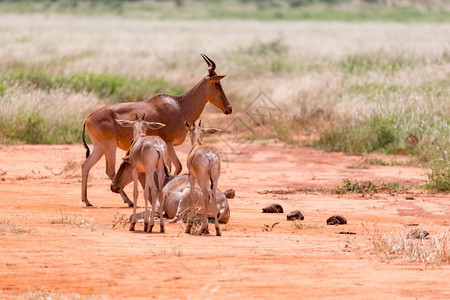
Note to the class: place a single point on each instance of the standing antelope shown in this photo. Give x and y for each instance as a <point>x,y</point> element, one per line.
<point>148,154</point>
<point>203,163</point>
<point>107,135</point>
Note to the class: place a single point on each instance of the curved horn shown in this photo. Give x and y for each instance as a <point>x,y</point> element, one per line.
<point>211,64</point>
<point>200,123</point>
<point>143,116</point>
<point>136,116</point>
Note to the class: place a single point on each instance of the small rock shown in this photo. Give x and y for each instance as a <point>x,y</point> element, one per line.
<point>336,220</point>
<point>418,233</point>
<point>274,208</point>
<point>230,193</point>
<point>295,215</point>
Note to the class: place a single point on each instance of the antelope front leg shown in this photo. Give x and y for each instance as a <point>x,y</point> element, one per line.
<point>216,222</point>
<point>205,195</point>
<point>161,211</point>
<point>152,217</point>
<point>190,208</point>
<point>135,197</point>
<point>146,199</point>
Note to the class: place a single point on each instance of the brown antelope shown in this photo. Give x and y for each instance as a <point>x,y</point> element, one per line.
<point>148,154</point>
<point>107,135</point>
<point>203,163</point>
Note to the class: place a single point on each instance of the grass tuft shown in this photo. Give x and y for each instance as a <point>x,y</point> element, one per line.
<point>435,249</point>
<point>7,227</point>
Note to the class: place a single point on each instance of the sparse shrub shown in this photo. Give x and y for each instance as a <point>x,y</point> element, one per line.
<point>440,174</point>
<point>120,220</point>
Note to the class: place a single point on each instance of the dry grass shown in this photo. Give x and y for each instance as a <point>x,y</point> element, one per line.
<point>120,221</point>
<point>398,244</point>
<point>300,225</point>
<point>9,227</point>
<point>75,220</point>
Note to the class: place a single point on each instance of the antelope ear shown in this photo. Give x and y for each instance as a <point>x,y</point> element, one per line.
<point>154,125</point>
<point>125,123</point>
<point>210,130</point>
<point>215,78</point>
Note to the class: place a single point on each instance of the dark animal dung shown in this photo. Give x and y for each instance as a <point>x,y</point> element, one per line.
<point>274,208</point>
<point>295,215</point>
<point>336,220</point>
<point>230,193</point>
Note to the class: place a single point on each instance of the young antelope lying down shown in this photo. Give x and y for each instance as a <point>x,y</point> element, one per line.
<point>148,154</point>
<point>203,163</point>
<point>176,194</point>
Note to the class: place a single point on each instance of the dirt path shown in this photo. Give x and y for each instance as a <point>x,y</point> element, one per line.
<point>66,249</point>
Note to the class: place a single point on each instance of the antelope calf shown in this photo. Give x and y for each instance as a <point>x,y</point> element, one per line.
<point>203,163</point>
<point>176,193</point>
<point>148,154</point>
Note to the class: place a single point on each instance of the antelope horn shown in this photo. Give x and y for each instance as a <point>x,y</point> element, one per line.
<point>143,116</point>
<point>136,116</point>
<point>211,64</point>
<point>200,123</point>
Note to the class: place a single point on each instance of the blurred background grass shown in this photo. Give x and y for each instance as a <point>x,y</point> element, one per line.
<point>352,76</point>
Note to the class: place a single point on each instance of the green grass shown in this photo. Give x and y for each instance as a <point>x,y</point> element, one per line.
<point>34,126</point>
<point>367,187</point>
<point>228,9</point>
<point>111,87</point>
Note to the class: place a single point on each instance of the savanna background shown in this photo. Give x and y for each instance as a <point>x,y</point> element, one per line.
<point>368,78</point>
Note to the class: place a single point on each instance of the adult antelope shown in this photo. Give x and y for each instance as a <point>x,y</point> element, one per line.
<point>203,163</point>
<point>148,154</point>
<point>107,135</point>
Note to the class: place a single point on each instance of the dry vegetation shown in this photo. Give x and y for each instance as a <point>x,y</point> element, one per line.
<point>399,244</point>
<point>353,87</point>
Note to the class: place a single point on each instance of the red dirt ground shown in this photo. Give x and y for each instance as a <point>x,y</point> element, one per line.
<point>69,250</point>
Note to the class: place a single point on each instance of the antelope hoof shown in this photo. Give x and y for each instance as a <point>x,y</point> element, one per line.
<point>132,226</point>
<point>145,227</point>
<point>204,231</point>
<point>88,204</point>
<point>218,233</point>
<point>188,229</point>
<point>162,229</point>
<point>150,229</point>
<point>130,204</point>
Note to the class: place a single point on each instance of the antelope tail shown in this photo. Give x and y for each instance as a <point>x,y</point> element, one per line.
<point>209,173</point>
<point>88,152</point>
